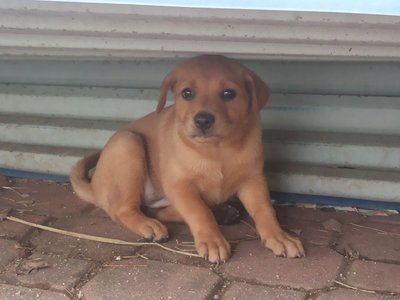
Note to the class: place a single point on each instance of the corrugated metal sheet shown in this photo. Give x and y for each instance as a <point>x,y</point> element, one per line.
<point>331,127</point>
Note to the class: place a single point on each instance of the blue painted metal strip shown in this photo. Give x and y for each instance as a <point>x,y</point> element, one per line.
<point>33,175</point>
<point>333,201</point>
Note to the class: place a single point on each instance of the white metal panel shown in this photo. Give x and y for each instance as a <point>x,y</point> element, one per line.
<point>332,149</point>
<point>299,77</point>
<point>42,159</point>
<point>120,104</point>
<point>61,132</point>
<point>346,183</point>
<point>380,152</point>
<point>298,112</point>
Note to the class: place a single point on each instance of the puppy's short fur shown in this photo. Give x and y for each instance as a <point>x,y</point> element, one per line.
<point>184,159</point>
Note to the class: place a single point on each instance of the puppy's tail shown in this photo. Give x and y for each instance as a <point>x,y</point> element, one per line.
<point>79,177</point>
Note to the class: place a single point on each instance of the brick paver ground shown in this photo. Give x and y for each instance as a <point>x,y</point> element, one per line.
<point>359,259</point>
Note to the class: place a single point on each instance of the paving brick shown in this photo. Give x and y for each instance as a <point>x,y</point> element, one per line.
<point>385,237</point>
<point>47,272</point>
<point>374,276</point>
<point>48,242</point>
<point>43,198</point>
<point>23,293</point>
<point>252,262</point>
<point>311,233</point>
<point>182,239</point>
<point>3,181</point>
<point>392,219</point>
<point>14,230</point>
<point>285,213</point>
<point>266,277</point>
<point>238,291</point>
<point>10,250</point>
<point>145,279</point>
<point>238,232</point>
<point>97,212</point>
<point>340,294</point>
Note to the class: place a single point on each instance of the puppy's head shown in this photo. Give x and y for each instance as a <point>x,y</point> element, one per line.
<point>215,98</point>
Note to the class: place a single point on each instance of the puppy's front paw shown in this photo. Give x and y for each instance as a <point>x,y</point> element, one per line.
<point>213,246</point>
<point>152,230</point>
<point>282,244</point>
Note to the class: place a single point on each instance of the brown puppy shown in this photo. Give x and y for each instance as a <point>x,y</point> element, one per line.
<point>188,157</point>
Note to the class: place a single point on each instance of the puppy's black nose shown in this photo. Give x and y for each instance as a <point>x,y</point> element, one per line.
<point>204,120</point>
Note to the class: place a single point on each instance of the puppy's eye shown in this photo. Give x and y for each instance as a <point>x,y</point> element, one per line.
<point>187,94</point>
<point>228,94</point>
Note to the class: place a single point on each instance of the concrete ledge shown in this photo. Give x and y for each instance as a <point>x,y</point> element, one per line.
<point>132,31</point>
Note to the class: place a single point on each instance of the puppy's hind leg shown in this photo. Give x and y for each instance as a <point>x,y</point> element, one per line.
<point>166,214</point>
<point>119,177</point>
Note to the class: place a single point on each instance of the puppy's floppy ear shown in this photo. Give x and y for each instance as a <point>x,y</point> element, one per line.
<point>258,89</point>
<point>166,85</point>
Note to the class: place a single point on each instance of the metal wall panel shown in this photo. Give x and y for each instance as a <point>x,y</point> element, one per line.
<point>332,127</point>
<point>344,143</point>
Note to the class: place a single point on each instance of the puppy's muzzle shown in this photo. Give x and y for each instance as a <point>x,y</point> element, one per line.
<point>204,121</point>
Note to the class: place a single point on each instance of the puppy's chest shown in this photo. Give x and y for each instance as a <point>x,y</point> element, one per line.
<point>216,183</point>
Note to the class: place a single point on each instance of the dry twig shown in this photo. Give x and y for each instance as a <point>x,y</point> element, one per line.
<point>354,288</point>
<point>97,238</point>
<point>121,265</point>
<point>376,229</point>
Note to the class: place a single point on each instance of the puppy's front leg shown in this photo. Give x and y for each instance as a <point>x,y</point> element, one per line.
<point>254,195</point>
<point>209,241</point>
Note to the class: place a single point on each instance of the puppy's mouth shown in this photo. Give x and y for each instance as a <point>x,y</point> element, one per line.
<point>204,135</point>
